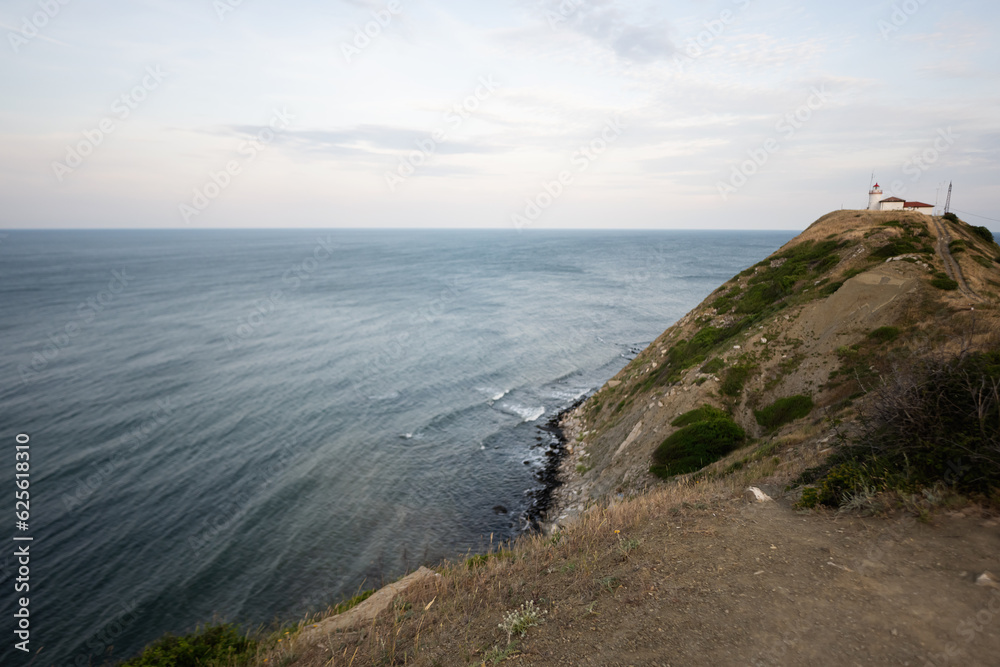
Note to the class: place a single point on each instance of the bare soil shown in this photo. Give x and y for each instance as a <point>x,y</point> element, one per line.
<point>728,584</point>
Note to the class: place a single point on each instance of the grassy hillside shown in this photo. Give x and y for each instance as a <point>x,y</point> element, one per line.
<point>854,376</point>
<point>788,347</point>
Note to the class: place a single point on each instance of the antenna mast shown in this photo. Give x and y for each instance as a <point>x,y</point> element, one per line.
<point>947,203</point>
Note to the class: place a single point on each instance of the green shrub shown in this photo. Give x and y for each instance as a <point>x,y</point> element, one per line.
<point>894,248</point>
<point>783,411</point>
<point>212,646</point>
<point>768,288</point>
<point>734,379</point>
<point>810,497</point>
<point>831,288</point>
<point>945,284</point>
<point>930,424</point>
<point>724,303</point>
<point>956,246</point>
<point>695,446</point>
<point>688,353</point>
<point>713,366</point>
<point>983,261</point>
<point>354,601</point>
<point>951,217</point>
<point>983,233</point>
<point>885,334</point>
<point>477,560</point>
<point>704,413</point>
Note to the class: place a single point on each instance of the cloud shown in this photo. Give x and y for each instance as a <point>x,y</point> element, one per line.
<point>632,37</point>
<point>362,140</point>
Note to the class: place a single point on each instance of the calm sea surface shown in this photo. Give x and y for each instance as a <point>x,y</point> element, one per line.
<point>249,425</point>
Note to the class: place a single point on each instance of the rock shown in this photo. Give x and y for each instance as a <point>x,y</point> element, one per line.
<point>636,432</point>
<point>755,495</point>
<point>365,613</point>
<point>987,579</point>
<point>614,383</point>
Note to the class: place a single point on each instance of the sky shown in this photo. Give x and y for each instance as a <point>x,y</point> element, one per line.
<point>728,114</point>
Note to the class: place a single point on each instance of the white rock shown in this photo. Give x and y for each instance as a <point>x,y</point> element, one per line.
<point>755,495</point>
<point>987,579</point>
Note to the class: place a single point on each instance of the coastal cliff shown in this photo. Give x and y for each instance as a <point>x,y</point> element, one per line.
<point>796,324</point>
<point>787,475</point>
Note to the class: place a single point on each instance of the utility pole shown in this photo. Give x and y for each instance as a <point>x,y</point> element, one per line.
<point>947,203</point>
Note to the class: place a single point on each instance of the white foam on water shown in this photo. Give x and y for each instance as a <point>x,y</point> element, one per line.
<point>526,413</point>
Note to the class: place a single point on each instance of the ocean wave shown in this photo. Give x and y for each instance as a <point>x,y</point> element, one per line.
<point>570,396</point>
<point>494,393</point>
<point>526,413</point>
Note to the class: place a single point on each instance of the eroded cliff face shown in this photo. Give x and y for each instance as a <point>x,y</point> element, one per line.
<point>798,323</point>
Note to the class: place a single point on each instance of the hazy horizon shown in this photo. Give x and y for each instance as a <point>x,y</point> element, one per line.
<point>580,114</point>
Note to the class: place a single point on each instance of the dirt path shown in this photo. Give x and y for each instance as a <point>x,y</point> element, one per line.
<point>763,585</point>
<point>730,584</point>
<point>951,266</point>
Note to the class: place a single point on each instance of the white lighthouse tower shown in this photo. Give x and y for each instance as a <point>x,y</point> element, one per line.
<point>874,197</point>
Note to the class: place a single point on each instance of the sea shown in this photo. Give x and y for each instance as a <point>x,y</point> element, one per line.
<point>248,426</point>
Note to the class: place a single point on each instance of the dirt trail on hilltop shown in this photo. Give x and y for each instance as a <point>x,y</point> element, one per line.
<point>738,584</point>
<point>762,585</point>
<point>951,266</point>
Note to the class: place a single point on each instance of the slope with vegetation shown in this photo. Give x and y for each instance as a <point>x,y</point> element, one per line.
<point>854,376</point>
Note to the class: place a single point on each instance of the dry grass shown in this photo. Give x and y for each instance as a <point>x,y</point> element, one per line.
<point>609,553</point>
<point>576,572</point>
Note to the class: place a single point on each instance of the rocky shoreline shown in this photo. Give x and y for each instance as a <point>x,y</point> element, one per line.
<point>569,496</point>
<point>545,501</point>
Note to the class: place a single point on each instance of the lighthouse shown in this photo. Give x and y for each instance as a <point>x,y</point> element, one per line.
<point>874,197</point>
